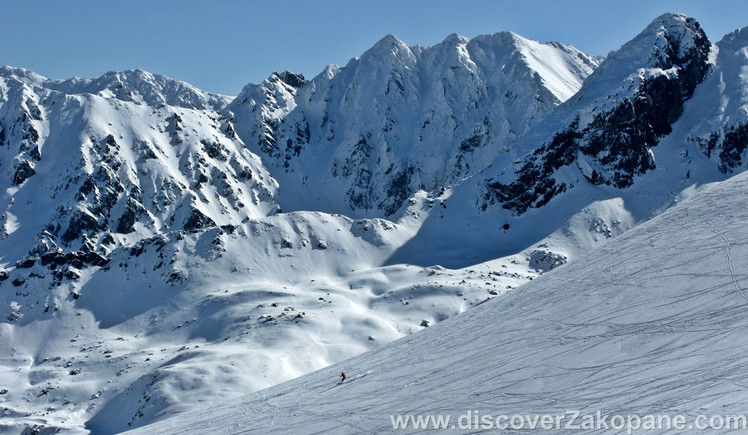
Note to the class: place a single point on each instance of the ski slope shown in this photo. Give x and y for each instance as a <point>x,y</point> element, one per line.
<point>651,324</point>
<point>165,249</point>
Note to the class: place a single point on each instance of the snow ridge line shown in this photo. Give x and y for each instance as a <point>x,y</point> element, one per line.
<point>730,264</point>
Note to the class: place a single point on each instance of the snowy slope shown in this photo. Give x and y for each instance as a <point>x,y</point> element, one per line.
<point>177,321</point>
<point>163,247</point>
<point>651,324</point>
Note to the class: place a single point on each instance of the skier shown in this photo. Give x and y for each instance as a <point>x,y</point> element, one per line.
<point>342,377</point>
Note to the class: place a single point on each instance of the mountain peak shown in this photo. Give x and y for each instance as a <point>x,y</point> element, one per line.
<point>623,110</point>
<point>455,39</point>
<point>22,75</point>
<point>736,39</point>
<point>364,138</point>
<point>388,40</point>
<point>291,79</point>
<point>389,46</point>
<point>142,87</point>
<point>669,40</point>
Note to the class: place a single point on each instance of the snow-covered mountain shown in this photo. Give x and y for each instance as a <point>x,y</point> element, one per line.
<point>722,131</point>
<point>162,246</point>
<point>88,162</point>
<point>361,139</point>
<point>621,149</point>
<point>137,222</point>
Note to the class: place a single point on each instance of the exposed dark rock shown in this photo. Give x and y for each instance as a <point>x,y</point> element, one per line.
<point>24,171</point>
<point>546,260</point>
<point>80,223</point>
<point>197,221</point>
<point>88,186</point>
<point>35,153</point>
<point>215,150</point>
<point>71,274</point>
<point>33,110</point>
<point>534,185</point>
<point>77,259</point>
<point>291,79</point>
<point>31,134</point>
<point>126,223</point>
<point>268,140</point>
<point>733,146</point>
<point>111,142</point>
<point>229,229</point>
<point>398,190</point>
<point>618,141</point>
<point>479,137</point>
<point>175,277</point>
<point>27,263</point>
<point>244,174</point>
<point>731,142</point>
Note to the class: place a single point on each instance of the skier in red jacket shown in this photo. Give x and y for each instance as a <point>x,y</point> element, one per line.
<point>342,376</point>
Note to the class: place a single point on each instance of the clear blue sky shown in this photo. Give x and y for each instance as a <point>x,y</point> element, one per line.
<point>221,45</point>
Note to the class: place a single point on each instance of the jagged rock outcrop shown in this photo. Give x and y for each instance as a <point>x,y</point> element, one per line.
<point>622,112</point>
<point>95,162</point>
<point>723,136</point>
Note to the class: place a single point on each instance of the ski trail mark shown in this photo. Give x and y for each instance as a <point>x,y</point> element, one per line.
<point>730,265</point>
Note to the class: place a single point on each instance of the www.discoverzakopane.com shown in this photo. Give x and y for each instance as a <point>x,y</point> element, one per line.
<point>571,420</point>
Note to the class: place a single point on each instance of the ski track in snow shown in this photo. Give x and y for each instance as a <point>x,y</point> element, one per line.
<point>730,266</point>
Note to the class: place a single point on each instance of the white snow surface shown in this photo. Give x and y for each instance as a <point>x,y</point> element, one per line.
<point>211,292</point>
<point>651,324</point>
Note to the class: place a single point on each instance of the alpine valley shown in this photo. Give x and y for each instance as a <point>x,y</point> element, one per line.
<point>165,249</point>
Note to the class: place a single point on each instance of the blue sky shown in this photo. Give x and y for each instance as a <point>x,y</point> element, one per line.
<point>221,45</point>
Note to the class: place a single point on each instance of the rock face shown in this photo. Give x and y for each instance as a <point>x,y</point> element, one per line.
<point>723,136</point>
<point>623,111</point>
<point>123,153</point>
<point>664,112</point>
